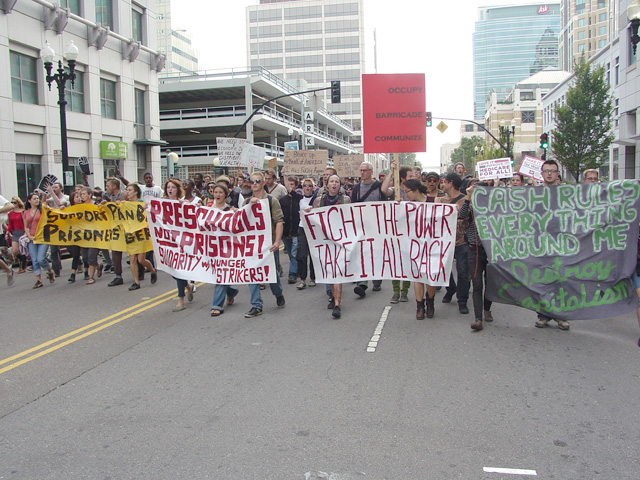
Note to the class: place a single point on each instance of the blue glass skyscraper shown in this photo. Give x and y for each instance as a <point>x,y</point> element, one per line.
<point>510,43</point>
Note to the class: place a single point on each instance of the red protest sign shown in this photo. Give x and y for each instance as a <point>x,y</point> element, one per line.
<point>393,113</point>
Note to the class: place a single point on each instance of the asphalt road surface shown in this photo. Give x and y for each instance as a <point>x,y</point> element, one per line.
<point>103,383</point>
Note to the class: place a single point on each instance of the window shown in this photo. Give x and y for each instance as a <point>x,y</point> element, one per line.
<point>582,22</point>
<point>602,43</point>
<point>264,15</point>
<point>527,95</point>
<point>616,71</point>
<point>602,30</point>
<point>29,174</point>
<point>266,31</point>
<point>23,78</point>
<point>633,57</point>
<point>601,3</point>
<point>528,116</point>
<point>266,47</point>
<point>608,74</point>
<point>140,119</point>
<point>602,17</point>
<point>581,48</point>
<point>73,5</point>
<point>468,127</point>
<point>136,25</point>
<point>75,94</point>
<point>302,28</point>
<point>582,35</point>
<point>268,63</point>
<point>107,99</point>
<point>304,61</point>
<point>343,9</point>
<point>303,44</point>
<point>343,58</point>
<point>337,26</point>
<point>616,112</point>
<point>580,4</point>
<point>302,12</point>
<point>104,12</point>
<point>342,42</point>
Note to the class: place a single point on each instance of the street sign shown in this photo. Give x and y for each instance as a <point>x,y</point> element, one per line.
<point>442,127</point>
<point>57,156</point>
<point>309,142</point>
<point>308,116</point>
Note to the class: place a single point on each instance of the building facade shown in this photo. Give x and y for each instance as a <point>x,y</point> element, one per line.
<point>510,43</point>
<point>174,43</point>
<point>587,26</point>
<point>314,40</point>
<point>113,102</point>
<point>195,110</point>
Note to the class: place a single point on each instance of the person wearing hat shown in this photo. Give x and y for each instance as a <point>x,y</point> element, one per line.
<point>452,184</point>
<point>432,180</point>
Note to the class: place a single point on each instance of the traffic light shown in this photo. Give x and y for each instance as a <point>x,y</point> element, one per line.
<point>429,119</point>
<point>335,91</point>
<point>544,141</point>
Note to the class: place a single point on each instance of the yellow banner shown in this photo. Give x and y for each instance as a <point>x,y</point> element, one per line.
<point>114,226</point>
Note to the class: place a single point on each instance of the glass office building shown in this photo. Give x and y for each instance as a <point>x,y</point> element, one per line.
<point>314,40</point>
<point>510,43</point>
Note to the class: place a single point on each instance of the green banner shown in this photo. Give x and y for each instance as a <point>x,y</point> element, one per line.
<point>109,149</point>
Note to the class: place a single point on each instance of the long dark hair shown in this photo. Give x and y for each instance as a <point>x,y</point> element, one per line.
<point>414,185</point>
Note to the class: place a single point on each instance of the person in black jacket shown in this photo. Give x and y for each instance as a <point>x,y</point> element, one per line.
<point>290,205</point>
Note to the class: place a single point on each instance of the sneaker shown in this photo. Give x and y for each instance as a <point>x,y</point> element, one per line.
<point>254,312</point>
<point>154,278</point>
<point>403,297</point>
<point>395,298</point>
<point>563,324</point>
<point>312,283</point>
<point>377,288</point>
<point>280,301</point>
<point>301,285</point>
<point>72,278</point>
<point>332,303</point>
<point>541,322</point>
<point>115,281</point>
<point>336,312</point>
<point>361,291</point>
<point>134,286</point>
<point>462,307</point>
<point>291,280</point>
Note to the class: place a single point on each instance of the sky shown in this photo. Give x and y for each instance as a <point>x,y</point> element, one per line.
<point>413,36</point>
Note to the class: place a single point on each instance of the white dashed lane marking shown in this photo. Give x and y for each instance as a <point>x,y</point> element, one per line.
<point>510,471</point>
<point>373,343</point>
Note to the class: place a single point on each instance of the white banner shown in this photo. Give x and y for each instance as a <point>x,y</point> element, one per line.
<point>210,245</point>
<point>496,168</point>
<point>230,151</point>
<point>531,167</point>
<point>382,240</point>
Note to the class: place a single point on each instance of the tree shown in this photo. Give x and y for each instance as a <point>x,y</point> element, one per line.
<point>407,159</point>
<point>466,152</point>
<point>583,133</point>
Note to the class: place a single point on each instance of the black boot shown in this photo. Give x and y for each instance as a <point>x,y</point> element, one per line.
<point>420,310</point>
<point>431,308</point>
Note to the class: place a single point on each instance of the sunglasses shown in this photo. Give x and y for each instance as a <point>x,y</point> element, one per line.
<point>432,180</point>
<point>15,203</point>
<point>309,185</point>
<point>255,182</point>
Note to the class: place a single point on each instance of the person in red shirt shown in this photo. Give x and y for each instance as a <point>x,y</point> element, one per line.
<point>15,230</point>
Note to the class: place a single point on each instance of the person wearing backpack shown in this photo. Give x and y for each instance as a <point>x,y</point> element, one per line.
<point>367,190</point>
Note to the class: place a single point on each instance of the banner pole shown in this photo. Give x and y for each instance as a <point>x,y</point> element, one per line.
<point>396,177</point>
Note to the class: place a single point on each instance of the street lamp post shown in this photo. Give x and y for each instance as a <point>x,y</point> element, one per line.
<point>70,54</point>
<point>633,14</point>
<point>508,133</point>
<point>172,159</point>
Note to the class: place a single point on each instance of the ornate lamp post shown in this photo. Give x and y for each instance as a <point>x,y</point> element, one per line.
<point>508,133</point>
<point>172,159</point>
<point>70,54</point>
<point>633,13</point>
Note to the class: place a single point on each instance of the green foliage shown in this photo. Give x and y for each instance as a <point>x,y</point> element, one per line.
<point>466,152</point>
<point>583,133</point>
<point>407,159</point>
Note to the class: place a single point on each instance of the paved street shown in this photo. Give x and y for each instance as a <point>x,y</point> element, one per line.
<point>137,391</point>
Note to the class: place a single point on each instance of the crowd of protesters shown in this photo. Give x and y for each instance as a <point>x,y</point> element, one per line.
<point>287,197</point>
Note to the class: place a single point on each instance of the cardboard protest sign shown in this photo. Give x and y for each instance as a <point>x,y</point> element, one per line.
<point>566,251</point>
<point>348,165</point>
<point>252,156</point>
<point>494,169</point>
<point>393,113</point>
<point>211,245</point>
<point>305,162</point>
<point>121,227</point>
<point>83,163</point>
<point>46,182</point>
<point>382,240</point>
<point>230,151</point>
<point>531,167</point>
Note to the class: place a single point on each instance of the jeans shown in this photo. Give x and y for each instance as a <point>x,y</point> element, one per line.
<point>303,257</point>
<point>182,285</point>
<point>220,292</point>
<point>291,244</point>
<point>38,252</point>
<point>276,288</point>
<point>478,273</point>
<point>461,288</point>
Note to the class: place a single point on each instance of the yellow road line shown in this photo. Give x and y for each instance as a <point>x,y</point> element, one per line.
<point>88,329</point>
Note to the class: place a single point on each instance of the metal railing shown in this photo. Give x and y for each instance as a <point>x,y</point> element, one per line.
<point>204,112</point>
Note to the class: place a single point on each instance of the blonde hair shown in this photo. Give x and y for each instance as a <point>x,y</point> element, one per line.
<point>18,201</point>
